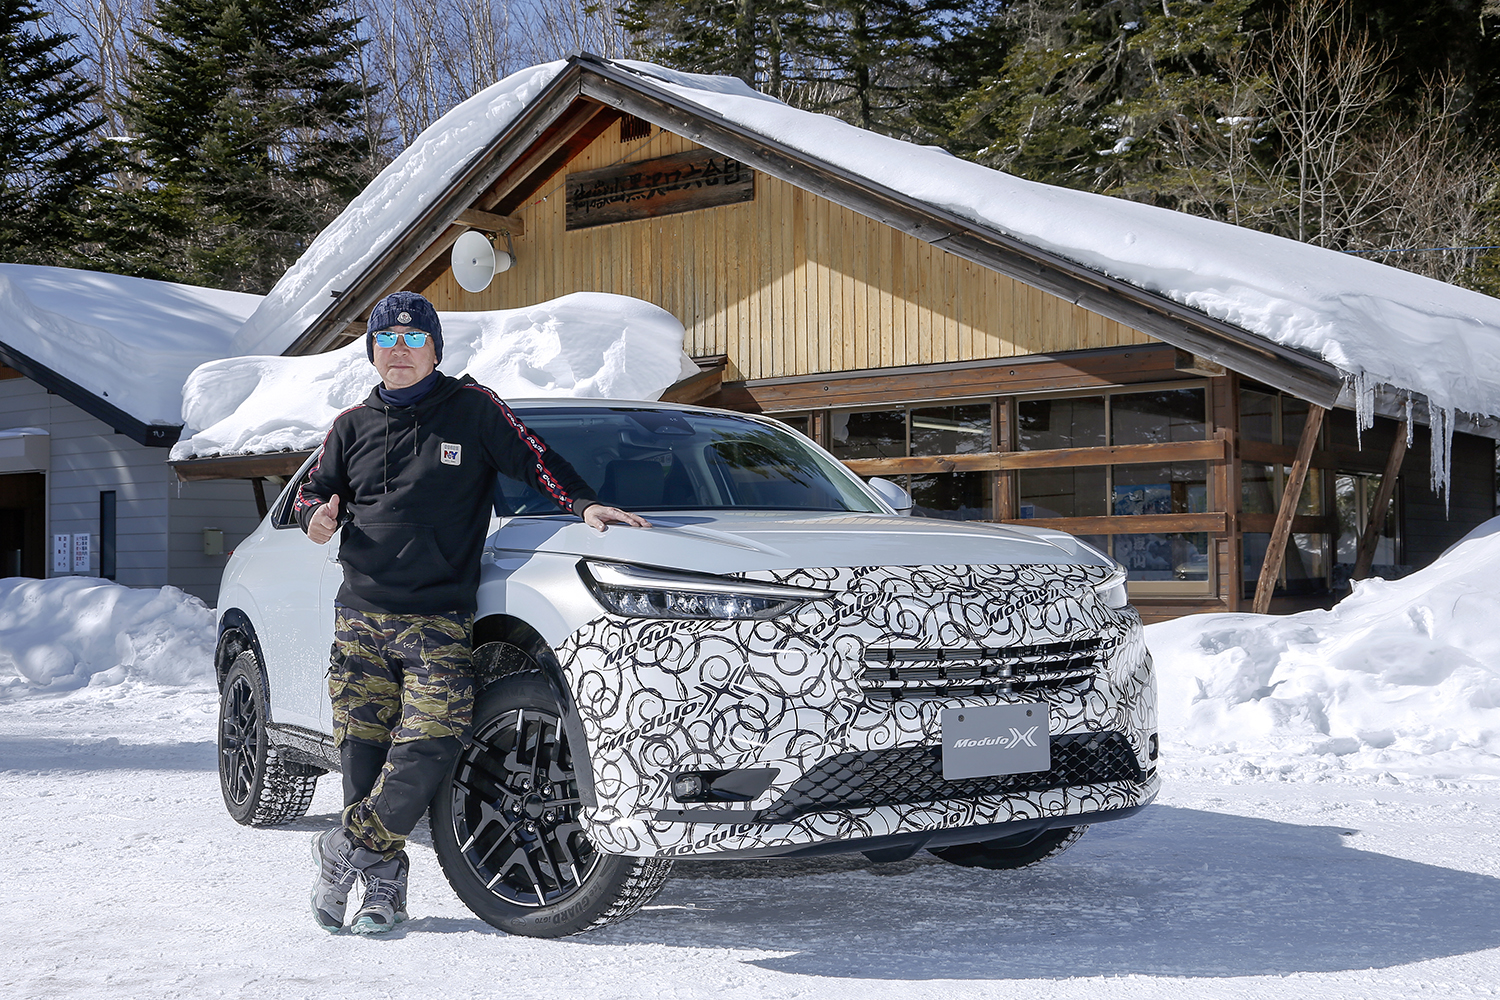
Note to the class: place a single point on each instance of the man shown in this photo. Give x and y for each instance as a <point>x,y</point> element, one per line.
<point>409,474</point>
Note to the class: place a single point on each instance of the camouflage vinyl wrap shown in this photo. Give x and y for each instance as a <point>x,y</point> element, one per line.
<point>657,697</point>
<point>399,678</point>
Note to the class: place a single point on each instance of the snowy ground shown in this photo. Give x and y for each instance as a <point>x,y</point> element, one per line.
<point>1330,827</point>
<point>126,878</point>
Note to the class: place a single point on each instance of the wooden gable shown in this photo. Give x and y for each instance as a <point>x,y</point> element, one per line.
<point>787,284</point>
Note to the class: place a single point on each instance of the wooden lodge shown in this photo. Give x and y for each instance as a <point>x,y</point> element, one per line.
<point>997,381</point>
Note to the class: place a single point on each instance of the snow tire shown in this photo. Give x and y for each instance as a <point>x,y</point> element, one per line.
<point>1000,856</point>
<point>260,787</point>
<point>505,824</point>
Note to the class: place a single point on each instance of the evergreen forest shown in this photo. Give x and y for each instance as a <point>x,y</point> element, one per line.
<point>208,141</point>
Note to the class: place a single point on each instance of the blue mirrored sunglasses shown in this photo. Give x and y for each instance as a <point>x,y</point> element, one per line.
<point>385,338</point>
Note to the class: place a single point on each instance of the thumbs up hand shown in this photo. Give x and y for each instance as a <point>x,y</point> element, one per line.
<point>325,521</point>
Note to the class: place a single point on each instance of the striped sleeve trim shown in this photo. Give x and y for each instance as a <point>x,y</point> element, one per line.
<point>534,444</point>
<point>305,501</point>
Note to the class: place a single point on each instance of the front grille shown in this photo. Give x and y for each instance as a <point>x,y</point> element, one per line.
<point>909,775</point>
<point>895,674</point>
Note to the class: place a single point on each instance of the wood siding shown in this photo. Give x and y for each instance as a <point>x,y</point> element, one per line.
<point>789,284</point>
<point>159,523</point>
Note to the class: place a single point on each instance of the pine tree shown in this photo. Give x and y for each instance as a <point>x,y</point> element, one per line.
<point>1118,97</point>
<point>51,155</point>
<point>249,130</point>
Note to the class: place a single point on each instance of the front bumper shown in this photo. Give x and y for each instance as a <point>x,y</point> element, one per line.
<point>856,753</point>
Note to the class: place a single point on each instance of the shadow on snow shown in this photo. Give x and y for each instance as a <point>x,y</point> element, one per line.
<point>61,754</point>
<point>1175,891</point>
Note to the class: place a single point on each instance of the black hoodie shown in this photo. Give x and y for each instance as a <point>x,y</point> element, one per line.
<point>419,482</point>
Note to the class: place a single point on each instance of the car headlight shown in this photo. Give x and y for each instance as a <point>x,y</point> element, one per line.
<point>1111,590</point>
<point>642,592</point>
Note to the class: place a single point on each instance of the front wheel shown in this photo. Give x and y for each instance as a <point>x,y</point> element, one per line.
<point>260,787</point>
<point>505,827</point>
<point>1007,855</point>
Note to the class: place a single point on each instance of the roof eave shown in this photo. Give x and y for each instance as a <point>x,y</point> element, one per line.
<point>150,435</point>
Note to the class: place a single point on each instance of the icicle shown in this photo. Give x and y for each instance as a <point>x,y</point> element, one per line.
<point>1410,423</point>
<point>1440,419</point>
<point>1364,406</point>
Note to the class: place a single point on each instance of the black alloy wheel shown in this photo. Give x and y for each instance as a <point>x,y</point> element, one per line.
<point>515,806</point>
<point>260,787</point>
<point>506,827</point>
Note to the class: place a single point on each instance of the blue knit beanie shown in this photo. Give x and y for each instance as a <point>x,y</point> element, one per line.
<point>404,309</point>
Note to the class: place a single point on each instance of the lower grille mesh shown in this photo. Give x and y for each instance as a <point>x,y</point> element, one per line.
<point>909,775</point>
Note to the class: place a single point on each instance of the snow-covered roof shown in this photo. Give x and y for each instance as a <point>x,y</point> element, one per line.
<point>129,342</point>
<point>1368,320</point>
<point>615,347</point>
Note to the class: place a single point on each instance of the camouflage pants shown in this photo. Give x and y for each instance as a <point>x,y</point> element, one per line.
<point>403,684</point>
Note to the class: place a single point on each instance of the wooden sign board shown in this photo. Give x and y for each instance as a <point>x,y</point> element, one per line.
<point>683,182</point>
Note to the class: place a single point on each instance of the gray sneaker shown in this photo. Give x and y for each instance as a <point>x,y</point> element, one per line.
<point>384,904</point>
<point>332,852</point>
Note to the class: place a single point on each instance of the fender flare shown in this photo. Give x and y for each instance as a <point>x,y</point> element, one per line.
<point>237,634</point>
<point>514,632</point>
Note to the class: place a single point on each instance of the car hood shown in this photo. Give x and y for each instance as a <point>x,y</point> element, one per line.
<point>746,541</point>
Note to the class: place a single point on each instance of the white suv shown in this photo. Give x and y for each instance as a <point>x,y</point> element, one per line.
<point>785,666</point>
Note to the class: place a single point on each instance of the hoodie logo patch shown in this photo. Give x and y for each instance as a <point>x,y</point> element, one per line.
<point>452,453</point>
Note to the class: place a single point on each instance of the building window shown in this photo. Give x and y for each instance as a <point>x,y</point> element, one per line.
<point>107,550</point>
<point>958,429</point>
<point>1178,561</point>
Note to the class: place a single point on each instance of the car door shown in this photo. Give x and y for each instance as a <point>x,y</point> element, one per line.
<point>295,623</point>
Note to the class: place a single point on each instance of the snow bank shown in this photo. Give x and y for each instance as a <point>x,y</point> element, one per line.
<point>129,341</point>
<point>65,633</point>
<point>384,210</point>
<point>585,344</point>
<point>1397,670</point>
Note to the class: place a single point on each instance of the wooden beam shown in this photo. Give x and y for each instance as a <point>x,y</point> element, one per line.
<point>281,463</point>
<point>1346,459</point>
<point>1270,570</point>
<point>694,388</point>
<point>490,222</point>
<point>414,278</point>
<point>1211,450</point>
<point>1302,524</point>
<point>956,380</point>
<point>1371,537</point>
<point>1131,524</point>
<point>9,373</point>
<point>258,484</point>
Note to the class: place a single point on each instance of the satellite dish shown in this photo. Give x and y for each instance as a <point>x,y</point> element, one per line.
<point>474,263</point>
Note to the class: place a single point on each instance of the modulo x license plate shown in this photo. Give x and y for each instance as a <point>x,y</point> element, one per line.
<point>995,739</point>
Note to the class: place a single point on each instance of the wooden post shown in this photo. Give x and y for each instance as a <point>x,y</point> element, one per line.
<point>1006,504</point>
<point>259,484</point>
<point>1281,532</point>
<point>1371,538</point>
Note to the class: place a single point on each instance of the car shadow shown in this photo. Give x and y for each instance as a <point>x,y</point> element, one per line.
<point>43,753</point>
<point>1174,891</point>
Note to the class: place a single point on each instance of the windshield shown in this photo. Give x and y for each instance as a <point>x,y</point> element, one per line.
<point>643,459</point>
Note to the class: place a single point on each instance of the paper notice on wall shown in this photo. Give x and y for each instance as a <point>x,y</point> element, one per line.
<point>62,551</point>
<point>81,553</point>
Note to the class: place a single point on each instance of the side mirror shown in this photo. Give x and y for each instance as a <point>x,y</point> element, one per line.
<point>892,494</point>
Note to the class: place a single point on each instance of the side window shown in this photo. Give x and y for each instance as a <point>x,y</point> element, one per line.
<point>281,515</point>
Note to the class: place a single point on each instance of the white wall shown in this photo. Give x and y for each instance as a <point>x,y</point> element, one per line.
<point>159,522</point>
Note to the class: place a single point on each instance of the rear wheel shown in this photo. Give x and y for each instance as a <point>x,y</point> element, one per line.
<point>260,787</point>
<point>1007,854</point>
<point>506,829</point>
